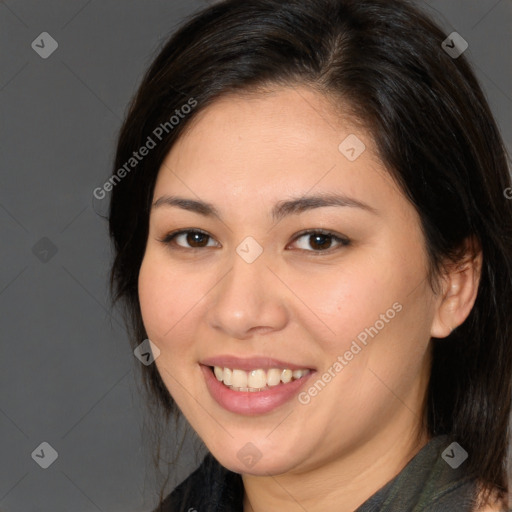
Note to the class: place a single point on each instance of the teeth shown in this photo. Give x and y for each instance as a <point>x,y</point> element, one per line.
<point>286,376</point>
<point>228,377</point>
<point>239,379</point>
<point>219,372</point>
<point>256,380</point>
<point>273,377</point>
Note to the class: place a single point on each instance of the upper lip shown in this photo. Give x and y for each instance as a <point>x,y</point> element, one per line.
<point>251,363</point>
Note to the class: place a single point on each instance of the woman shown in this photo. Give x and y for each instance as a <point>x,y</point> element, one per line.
<point>311,225</point>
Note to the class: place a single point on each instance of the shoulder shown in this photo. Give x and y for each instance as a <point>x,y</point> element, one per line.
<point>428,483</point>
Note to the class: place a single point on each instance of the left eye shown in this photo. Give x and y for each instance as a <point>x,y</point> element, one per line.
<point>321,240</point>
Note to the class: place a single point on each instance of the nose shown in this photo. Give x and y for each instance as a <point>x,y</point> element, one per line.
<point>248,300</point>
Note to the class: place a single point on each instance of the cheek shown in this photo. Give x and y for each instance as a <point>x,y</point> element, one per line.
<point>164,299</point>
<point>373,315</point>
<point>152,300</point>
<point>339,305</point>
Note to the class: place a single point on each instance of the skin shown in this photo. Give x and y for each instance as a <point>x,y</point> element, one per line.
<point>294,302</point>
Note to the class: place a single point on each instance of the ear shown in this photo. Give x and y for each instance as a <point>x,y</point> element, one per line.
<point>459,290</point>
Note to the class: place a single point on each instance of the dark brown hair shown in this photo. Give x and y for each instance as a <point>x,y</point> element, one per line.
<point>434,132</point>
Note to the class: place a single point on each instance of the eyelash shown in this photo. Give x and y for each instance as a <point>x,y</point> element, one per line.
<point>343,241</point>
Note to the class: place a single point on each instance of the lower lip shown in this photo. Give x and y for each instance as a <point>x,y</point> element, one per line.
<point>251,402</point>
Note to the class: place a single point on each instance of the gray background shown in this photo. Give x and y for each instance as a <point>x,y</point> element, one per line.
<point>67,374</point>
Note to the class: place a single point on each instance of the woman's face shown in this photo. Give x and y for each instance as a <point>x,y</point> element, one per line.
<point>257,296</point>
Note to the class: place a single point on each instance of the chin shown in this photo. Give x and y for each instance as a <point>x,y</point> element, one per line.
<point>250,462</point>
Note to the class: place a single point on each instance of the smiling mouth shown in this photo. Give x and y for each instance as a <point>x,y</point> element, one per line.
<point>258,379</point>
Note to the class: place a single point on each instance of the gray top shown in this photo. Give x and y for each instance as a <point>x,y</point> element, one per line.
<point>428,483</point>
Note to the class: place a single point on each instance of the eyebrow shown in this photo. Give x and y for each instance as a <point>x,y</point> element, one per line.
<point>280,210</point>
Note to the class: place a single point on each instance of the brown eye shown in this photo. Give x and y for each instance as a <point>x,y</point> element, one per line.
<point>321,241</point>
<point>194,237</point>
<point>188,239</point>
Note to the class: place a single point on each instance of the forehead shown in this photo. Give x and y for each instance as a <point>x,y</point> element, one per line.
<point>287,118</point>
<point>281,142</point>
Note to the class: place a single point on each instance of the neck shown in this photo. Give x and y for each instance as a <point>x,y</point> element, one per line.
<point>342,483</point>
